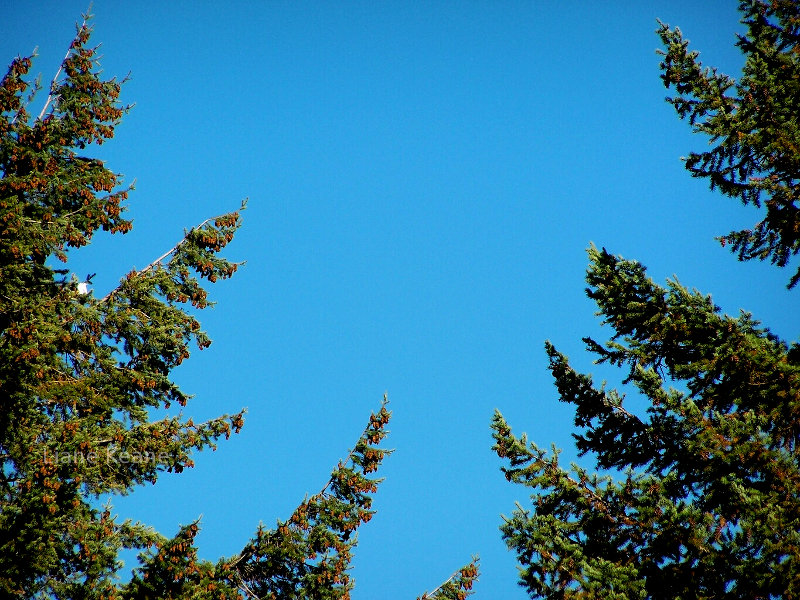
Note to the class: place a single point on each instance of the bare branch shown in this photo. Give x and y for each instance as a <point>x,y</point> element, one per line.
<point>54,81</point>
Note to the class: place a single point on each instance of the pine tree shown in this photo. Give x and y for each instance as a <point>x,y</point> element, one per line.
<point>698,495</point>
<point>752,124</point>
<point>80,374</point>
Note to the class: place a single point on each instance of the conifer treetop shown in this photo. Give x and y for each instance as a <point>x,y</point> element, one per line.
<point>750,123</point>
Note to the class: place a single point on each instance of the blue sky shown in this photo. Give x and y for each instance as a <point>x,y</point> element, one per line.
<point>423,182</point>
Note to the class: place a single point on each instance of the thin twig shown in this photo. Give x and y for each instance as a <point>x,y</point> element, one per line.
<point>243,586</point>
<point>174,248</point>
<point>55,79</point>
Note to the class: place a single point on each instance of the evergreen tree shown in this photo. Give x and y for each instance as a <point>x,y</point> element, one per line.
<point>79,376</point>
<point>698,496</point>
<point>752,124</point>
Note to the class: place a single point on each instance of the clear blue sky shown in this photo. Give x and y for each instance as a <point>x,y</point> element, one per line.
<point>423,182</point>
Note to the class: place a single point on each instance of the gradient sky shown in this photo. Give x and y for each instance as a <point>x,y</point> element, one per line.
<point>423,181</point>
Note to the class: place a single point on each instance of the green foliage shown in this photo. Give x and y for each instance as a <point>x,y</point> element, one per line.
<point>458,586</point>
<point>81,375</point>
<point>709,493</point>
<point>698,495</point>
<point>308,555</point>
<point>752,124</point>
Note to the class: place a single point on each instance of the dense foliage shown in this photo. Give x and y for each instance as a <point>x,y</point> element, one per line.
<point>80,375</point>
<point>698,495</point>
<point>708,500</point>
<point>752,123</point>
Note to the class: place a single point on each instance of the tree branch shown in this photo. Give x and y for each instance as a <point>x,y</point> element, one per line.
<point>54,81</point>
<point>458,573</point>
<point>163,256</point>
